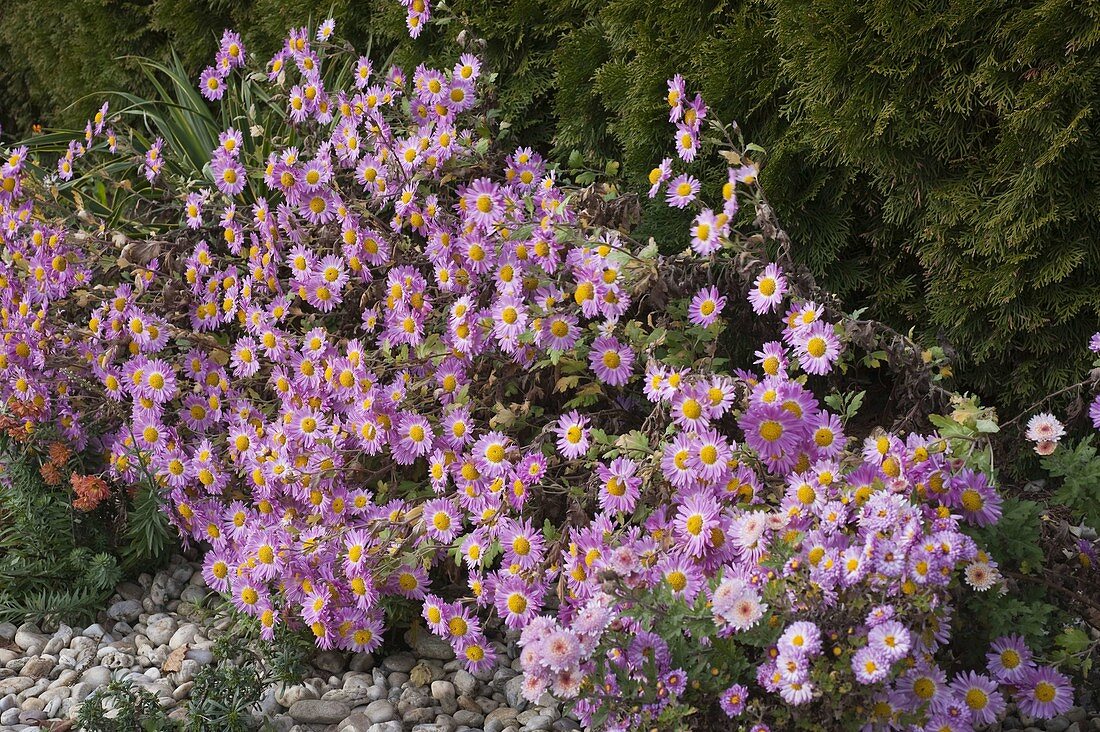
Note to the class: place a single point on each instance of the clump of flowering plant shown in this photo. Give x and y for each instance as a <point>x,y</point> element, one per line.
<point>364,342</point>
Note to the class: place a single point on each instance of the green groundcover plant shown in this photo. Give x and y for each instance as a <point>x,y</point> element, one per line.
<point>371,361</point>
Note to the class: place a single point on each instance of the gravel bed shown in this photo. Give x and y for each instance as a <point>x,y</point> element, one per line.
<point>44,677</point>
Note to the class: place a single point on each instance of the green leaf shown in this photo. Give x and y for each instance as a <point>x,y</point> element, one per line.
<point>1073,640</point>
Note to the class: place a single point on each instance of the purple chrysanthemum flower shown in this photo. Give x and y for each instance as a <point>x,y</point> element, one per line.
<point>611,360</point>
<point>212,84</point>
<point>483,204</point>
<point>682,577</point>
<point>890,639</point>
<point>733,700</point>
<point>154,160</point>
<point>559,332</point>
<point>869,666</point>
<point>517,602</point>
<point>979,503</point>
<point>232,48</point>
<point>979,694</point>
<point>676,94</point>
<point>1044,693</point>
<point>705,233</point>
<point>1009,659</point>
<point>770,429</point>
<point>229,175</point>
<point>619,485</point>
<point>687,142</point>
<point>696,518</point>
<point>801,638</point>
<point>193,208</point>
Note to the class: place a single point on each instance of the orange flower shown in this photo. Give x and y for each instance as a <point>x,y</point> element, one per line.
<point>90,491</point>
<point>59,453</point>
<point>50,474</point>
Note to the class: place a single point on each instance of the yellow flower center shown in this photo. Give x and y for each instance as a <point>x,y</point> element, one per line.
<point>1045,691</point>
<point>972,500</point>
<point>695,524</point>
<point>771,430</point>
<point>517,603</point>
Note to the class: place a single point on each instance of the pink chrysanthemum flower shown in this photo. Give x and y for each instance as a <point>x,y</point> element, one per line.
<point>768,290</point>
<point>682,190</point>
<point>697,517</point>
<point>818,349</point>
<point>1046,431</point>
<point>441,520</point>
<point>659,175</point>
<point>620,485</point>
<point>560,650</point>
<point>572,432</point>
<point>706,233</point>
<point>706,306</point>
<point>869,666</point>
